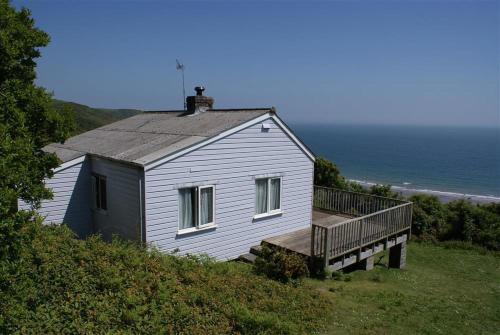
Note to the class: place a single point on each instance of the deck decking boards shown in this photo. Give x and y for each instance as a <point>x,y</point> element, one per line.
<point>300,240</point>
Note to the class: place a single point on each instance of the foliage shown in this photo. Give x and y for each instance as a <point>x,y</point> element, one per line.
<point>474,223</point>
<point>27,123</point>
<point>327,174</point>
<point>384,191</point>
<point>429,216</point>
<point>88,118</point>
<point>458,220</point>
<point>280,265</point>
<point>60,284</point>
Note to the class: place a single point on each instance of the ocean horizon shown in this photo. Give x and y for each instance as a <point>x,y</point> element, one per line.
<point>449,162</point>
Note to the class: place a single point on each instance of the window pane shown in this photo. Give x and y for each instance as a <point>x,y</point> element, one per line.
<point>104,200</point>
<point>260,196</point>
<point>95,189</point>
<point>275,193</point>
<point>186,208</point>
<point>206,205</point>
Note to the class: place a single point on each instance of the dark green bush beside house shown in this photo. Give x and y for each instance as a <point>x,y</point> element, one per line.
<point>64,285</point>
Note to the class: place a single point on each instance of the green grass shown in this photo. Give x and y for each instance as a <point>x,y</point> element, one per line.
<point>88,118</point>
<point>442,291</point>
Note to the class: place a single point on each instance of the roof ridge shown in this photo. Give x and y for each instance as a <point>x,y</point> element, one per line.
<point>240,109</point>
<point>216,110</point>
<point>146,132</point>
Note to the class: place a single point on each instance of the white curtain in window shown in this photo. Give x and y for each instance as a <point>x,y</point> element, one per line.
<point>206,205</point>
<point>186,208</point>
<point>261,196</point>
<point>275,193</point>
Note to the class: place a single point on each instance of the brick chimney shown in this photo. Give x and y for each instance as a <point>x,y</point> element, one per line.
<point>199,103</point>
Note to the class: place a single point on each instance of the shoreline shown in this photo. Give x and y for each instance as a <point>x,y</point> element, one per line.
<point>443,196</point>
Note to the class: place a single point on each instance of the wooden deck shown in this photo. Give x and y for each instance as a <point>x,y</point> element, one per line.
<point>300,240</point>
<point>348,227</point>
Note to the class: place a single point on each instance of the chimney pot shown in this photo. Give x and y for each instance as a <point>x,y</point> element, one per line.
<point>199,90</point>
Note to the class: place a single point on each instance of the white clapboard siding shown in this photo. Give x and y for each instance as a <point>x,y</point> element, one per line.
<point>123,216</point>
<point>70,203</point>
<point>231,164</point>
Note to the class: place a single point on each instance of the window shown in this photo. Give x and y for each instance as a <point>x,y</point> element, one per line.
<point>267,196</point>
<point>196,207</point>
<point>99,191</point>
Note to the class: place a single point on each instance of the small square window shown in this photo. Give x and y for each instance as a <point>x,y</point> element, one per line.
<point>196,207</point>
<point>267,195</point>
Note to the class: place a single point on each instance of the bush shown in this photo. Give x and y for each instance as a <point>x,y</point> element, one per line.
<point>59,284</point>
<point>459,220</point>
<point>474,223</point>
<point>429,217</point>
<point>280,265</point>
<point>327,174</point>
<point>384,191</point>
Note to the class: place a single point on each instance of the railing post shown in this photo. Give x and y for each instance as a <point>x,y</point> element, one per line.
<point>409,208</point>
<point>360,234</point>
<point>328,246</point>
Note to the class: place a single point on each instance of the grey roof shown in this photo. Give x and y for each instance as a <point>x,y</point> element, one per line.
<point>146,137</point>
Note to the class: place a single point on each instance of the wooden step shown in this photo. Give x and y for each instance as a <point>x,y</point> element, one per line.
<point>247,258</point>
<point>256,250</point>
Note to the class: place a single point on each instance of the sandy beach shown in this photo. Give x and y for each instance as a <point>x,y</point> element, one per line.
<point>443,196</point>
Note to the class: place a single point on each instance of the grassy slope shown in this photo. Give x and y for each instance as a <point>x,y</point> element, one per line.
<point>68,285</point>
<point>88,118</point>
<point>443,291</point>
<point>64,285</point>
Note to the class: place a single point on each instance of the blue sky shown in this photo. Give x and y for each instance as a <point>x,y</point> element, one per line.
<point>368,62</point>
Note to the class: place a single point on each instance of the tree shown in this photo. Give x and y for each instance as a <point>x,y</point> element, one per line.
<point>327,174</point>
<point>27,120</point>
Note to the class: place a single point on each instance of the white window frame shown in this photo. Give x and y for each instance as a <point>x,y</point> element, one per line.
<point>269,212</point>
<point>197,226</point>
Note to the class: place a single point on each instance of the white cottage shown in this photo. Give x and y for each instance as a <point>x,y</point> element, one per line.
<point>205,180</point>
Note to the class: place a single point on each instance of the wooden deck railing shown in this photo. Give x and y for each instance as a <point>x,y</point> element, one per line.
<point>351,203</point>
<point>377,218</point>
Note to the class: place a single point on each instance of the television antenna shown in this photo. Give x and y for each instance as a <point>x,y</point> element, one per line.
<point>181,67</point>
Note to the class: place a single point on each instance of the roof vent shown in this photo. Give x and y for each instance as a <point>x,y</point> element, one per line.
<point>199,103</point>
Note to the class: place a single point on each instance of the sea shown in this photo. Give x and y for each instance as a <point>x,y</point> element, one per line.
<point>449,162</point>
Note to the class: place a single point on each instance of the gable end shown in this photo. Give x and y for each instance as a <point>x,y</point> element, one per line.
<point>245,125</point>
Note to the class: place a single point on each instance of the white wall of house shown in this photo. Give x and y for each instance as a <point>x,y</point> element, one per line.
<point>73,200</point>
<point>231,164</point>
<point>71,194</point>
<point>123,188</point>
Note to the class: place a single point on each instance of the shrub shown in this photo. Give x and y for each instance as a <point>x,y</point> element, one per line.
<point>280,265</point>
<point>474,223</point>
<point>384,191</point>
<point>429,217</point>
<point>59,284</point>
<point>327,174</point>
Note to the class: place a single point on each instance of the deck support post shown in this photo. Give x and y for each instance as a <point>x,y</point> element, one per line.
<point>397,256</point>
<point>367,263</point>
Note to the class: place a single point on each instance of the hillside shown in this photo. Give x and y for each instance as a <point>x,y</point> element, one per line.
<point>88,118</point>
<point>64,285</point>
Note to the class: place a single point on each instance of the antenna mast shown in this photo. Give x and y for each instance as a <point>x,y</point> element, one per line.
<point>180,66</point>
